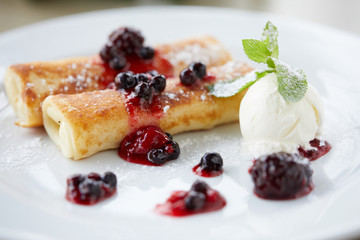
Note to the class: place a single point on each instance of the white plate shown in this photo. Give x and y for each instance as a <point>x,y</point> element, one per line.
<point>33,171</point>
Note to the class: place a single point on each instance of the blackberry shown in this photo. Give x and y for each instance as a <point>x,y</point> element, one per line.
<point>281,176</point>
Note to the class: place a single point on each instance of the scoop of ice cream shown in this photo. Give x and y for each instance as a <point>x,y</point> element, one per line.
<point>270,124</point>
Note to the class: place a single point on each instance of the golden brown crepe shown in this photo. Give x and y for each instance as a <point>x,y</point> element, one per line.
<point>84,124</point>
<point>27,85</point>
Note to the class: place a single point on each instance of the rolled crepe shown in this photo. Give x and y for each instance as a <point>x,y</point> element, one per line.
<point>27,85</point>
<point>84,124</point>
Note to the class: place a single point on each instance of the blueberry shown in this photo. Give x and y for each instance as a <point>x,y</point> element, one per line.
<point>143,90</point>
<point>158,83</point>
<point>117,63</point>
<point>142,77</point>
<point>157,156</point>
<point>125,81</point>
<point>172,149</point>
<point>211,161</point>
<point>187,77</point>
<point>195,201</point>
<point>146,53</point>
<point>110,178</point>
<point>199,186</point>
<point>199,68</point>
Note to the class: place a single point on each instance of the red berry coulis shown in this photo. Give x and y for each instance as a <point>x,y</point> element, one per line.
<point>139,147</point>
<point>200,199</point>
<point>321,148</point>
<point>203,172</point>
<point>90,189</point>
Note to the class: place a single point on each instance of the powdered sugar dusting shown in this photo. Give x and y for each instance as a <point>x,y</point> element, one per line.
<point>207,54</point>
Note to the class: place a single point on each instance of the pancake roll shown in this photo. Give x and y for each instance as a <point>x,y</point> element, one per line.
<point>27,85</point>
<point>84,124</point>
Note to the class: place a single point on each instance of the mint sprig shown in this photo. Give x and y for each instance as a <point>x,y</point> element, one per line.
<point>292,82</point>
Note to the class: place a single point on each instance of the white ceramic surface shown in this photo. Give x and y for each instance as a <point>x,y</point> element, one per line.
<point>33,171</point>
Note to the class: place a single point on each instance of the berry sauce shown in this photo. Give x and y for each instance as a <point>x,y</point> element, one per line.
<point>203,172</point>
<point>149,145</point>
<point>135,106</point>
<point>90,189</point>
<point>320,149</point>
<point>281,176</point>
<point>200,199</point>
<point>136,65</point>
<point>211,165</point>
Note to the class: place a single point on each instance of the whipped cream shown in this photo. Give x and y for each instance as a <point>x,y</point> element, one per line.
<point>270,124</point>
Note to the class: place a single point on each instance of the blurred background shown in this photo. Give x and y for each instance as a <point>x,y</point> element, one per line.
<point>342,14</point>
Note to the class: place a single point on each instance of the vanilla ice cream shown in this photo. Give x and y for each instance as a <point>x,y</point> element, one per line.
<point>270,124</point>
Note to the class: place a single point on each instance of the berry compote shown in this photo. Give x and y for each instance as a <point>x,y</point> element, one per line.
<point>281,176</point>
<point>200,199</point>
<point>320,148</point>
<point>125,51</point>
<point>211,165</point>
<point>91,188</point>
<point>142,94</point>
<point>149,145</point>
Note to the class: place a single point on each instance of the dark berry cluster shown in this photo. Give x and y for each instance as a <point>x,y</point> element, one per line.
<point>192,73</point>
<point>195,200</point>
<point>90,189</point>
<point>281,176</point>
<point>144,85</point>
<point>125,42</point>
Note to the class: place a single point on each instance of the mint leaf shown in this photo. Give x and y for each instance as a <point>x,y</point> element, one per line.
<point>269,36</point>
<point>270,63</point>
<point>256,50</point>
<point>230,88</point>
<point>292,81</point>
